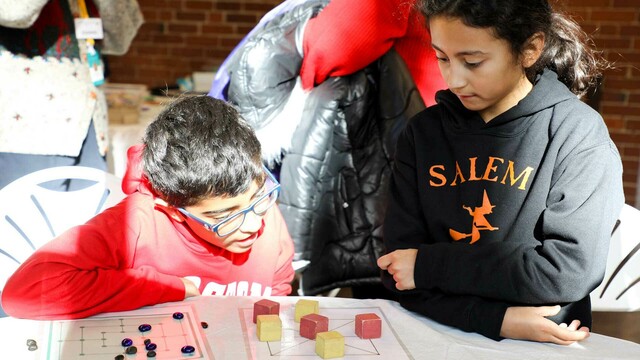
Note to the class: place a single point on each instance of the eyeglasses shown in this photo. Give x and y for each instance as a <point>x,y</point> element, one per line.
<point>234,221</point>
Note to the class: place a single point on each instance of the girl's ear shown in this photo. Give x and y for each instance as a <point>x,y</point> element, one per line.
<point>169,210</point>
<point>532,49</point>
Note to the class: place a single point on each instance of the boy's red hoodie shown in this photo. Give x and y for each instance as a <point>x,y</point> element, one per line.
<point>133,254</point>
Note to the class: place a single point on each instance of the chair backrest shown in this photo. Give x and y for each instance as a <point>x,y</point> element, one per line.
<point>31,215</point>
<point>620,289</point>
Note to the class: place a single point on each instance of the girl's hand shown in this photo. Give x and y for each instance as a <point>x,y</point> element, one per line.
<point>400,264</point>
<point>530,323</point>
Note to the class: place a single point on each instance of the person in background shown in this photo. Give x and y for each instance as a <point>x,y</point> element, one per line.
<point>504,194</point>
<point>52,110</point>
<point>198,219</point>
<point>353,110</point>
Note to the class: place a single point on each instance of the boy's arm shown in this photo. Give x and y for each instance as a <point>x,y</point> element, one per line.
<point>284,269</point>
<point>86,271</point>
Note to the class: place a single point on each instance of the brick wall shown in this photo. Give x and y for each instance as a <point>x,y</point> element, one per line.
<point>182,36</point>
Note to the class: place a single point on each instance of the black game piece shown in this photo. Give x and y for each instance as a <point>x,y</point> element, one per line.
<point>188,349</point>
<point>151,353</point>
<point>147,341</point>
<point>119,357</point>
<point>126,342</point>
<point>178,315</point>
<point>204,325</point>
<point>131,350</point>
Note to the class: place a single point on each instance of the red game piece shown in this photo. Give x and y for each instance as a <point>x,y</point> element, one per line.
<point>368,326</point>
<point>265,307</point>
<point>311,324</point>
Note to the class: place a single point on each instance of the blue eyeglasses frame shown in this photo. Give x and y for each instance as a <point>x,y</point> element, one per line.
<point>215,228</point>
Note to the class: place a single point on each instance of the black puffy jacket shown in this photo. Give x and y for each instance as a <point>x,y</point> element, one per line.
<point>335,149</point>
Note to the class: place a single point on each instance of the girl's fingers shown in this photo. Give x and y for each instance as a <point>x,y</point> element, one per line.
<point>575,324</point>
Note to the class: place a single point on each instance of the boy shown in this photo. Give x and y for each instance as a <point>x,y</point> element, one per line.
<point>198,219</point>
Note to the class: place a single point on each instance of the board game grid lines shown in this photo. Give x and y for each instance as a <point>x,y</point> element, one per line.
<point>293,346</point>
<point>100,337</point>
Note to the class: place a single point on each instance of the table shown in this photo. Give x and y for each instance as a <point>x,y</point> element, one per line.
<point>419,337</point>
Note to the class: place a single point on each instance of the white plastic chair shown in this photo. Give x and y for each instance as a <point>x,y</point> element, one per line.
<point>620,289</point>
<point>31,215</point>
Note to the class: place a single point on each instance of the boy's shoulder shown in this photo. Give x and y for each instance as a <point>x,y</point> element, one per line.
<point>134,208</point>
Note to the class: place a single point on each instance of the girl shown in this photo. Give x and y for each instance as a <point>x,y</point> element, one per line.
<point>505,193</point>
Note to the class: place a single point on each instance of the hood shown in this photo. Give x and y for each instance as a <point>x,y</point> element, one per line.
<point>134,178</point>
<point>136,181</point>
<point>546,93</point>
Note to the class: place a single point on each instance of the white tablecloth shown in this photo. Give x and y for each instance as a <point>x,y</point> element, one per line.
<point>421,338</point>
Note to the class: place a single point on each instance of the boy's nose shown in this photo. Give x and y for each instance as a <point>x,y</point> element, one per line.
<point>252,222</point>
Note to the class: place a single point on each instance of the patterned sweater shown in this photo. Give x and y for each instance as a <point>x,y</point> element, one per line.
<point>47,95</point>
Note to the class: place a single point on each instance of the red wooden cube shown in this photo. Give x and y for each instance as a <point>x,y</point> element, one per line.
<point>312,324</point>
<point>265,307</point>
<point>368,326</point>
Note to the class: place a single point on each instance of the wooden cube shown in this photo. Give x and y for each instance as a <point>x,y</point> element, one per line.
<point>330,344</point>
<point>269,328</point>
<point>311,324</point>
<point>265,307</point>
<point>368,326</point>
<point>305,307</point>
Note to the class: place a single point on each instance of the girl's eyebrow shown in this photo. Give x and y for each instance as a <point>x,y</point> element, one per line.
<point>461,53</point>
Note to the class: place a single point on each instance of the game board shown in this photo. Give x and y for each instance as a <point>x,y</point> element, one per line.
<point>295,347</point>
<point>100,337</point>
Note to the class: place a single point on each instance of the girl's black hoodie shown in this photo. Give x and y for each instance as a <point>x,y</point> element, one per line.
<point>514,212</point>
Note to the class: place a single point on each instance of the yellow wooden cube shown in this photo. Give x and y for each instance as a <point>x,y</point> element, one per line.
<point>306,307</point>
<point>329,344</point>
<point>269,327</point>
